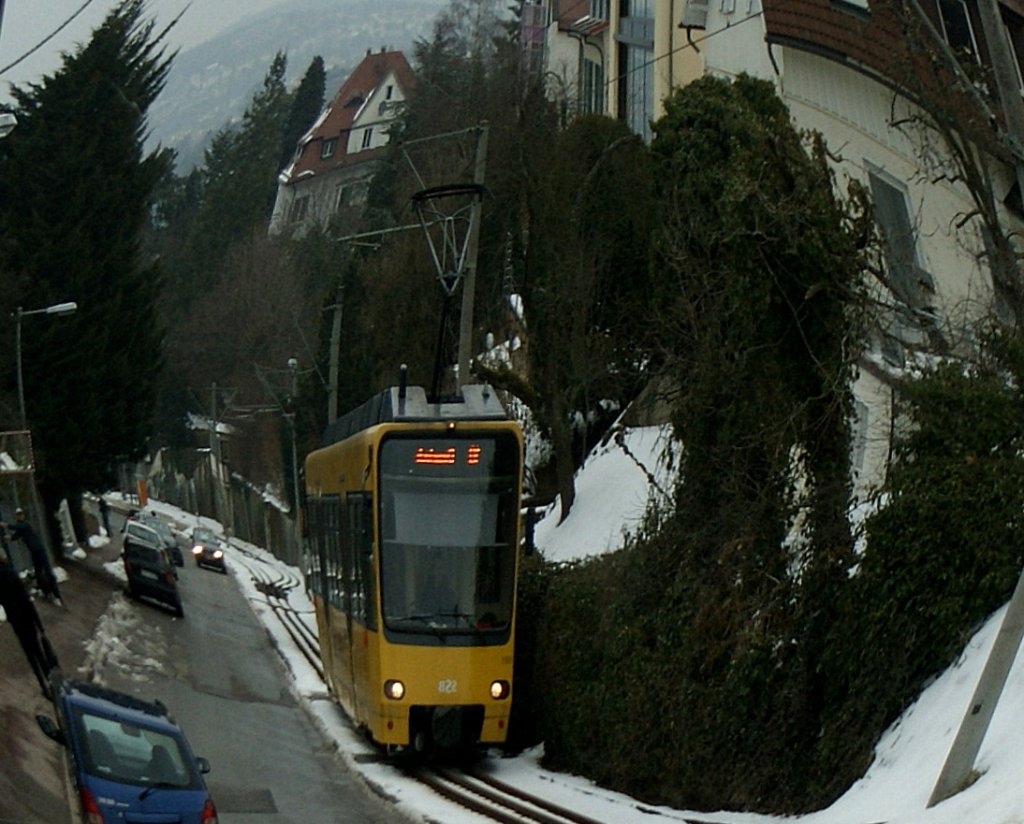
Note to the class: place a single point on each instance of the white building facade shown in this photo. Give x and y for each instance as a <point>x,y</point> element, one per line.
<point>833,63</point>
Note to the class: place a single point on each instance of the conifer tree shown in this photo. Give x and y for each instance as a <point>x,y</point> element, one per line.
<point>239,184</point>
<point>74,189</point>
<point>307,103</point>
<point>586,279</point>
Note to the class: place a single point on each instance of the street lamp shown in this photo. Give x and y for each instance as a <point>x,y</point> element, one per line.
<point>293,366</point>
<point>7,123</point>
<point>66,308</point>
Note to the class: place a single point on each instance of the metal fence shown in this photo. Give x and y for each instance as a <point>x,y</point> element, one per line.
<point>195,481</point>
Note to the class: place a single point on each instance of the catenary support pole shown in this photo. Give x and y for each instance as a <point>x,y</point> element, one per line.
<point>469,283</point>
<point>959,764</point>
<point>215,456</point>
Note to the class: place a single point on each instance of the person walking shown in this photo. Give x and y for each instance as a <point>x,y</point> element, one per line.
<point>24,620</point>
<point>22,530</point>
<point>105,515</point>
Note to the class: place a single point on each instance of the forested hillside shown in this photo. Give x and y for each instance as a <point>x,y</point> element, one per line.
<point>746,649</point>
<point>207,86</point>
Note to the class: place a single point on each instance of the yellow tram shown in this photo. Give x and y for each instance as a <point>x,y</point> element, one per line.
<point>412,510</point>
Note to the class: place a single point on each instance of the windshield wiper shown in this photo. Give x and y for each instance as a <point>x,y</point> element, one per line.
<point>159,785</point>
<point>464,617</point>
<point>427,619</point>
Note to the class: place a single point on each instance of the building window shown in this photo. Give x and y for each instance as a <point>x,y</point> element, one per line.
<point>861,418</point>
<point>909,281</point>
<point>1015,34</point>
<point>636,65</point>
<point>636,8</point>
<point>957,28</point>
<point>388,91</point>
<point>328,147</point>
<point>299,209</point>
<point>367,137</point>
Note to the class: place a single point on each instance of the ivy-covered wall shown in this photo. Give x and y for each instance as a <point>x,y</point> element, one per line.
<point>748,653</point>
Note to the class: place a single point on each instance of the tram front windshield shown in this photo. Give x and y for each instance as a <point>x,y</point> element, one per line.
<point>448,525</point>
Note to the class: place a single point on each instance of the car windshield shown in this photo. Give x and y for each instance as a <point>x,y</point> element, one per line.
<point>447,522</point>
<point>160,527</point>
<point>142,533</point>
<point>130,753</point>
<point>204,536</point>
<point>145,554</point>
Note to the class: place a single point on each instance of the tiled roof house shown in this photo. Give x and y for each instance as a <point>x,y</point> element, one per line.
<point>334,161</point>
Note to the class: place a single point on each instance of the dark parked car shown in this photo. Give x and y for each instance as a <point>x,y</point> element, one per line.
<point>127,757</point>
<point>161,527</point>
<point>207,549</point>
<point>149,568</point>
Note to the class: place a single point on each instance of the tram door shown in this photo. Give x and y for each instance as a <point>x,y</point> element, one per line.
<point>360,595</point>
<point>323,579</point>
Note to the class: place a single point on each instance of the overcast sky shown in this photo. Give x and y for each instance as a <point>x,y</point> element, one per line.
<point>27,23</point>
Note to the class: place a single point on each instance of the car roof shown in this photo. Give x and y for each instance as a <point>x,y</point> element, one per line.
<point>149,518</point>
<point>106,701</point>
<point>158,525</point>
<point>140,535</point>
<point>140,529</point>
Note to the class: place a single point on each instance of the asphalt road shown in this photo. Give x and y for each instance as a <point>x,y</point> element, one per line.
<point>217,672</point>
<point>222,679</point>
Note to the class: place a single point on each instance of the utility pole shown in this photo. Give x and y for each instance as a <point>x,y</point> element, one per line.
<point>215,463</point>
<point>469,284</point>
<point>293,366</point>
<point>332,373</point>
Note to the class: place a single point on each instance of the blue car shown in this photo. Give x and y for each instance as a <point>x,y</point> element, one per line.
<point>128,758</point>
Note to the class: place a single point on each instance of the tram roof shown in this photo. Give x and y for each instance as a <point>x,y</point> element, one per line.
<point>478,401</point>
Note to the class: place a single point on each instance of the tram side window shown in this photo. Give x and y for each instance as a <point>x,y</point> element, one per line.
<point>347,553</point>
<point>330,523</point>
<point>358,560</point>
<point>314,577</point>
<point>323,573</point>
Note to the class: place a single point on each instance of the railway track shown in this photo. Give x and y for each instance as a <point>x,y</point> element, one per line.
<point>474,790</point>
<point>275,584</point>
<point>494,800</point>
<point>485,795</point>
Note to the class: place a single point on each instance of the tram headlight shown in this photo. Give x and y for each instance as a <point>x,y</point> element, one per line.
<point>394,689</point>
<point>499,690</point>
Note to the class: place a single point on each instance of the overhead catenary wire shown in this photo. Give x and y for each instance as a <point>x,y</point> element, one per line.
<point>48,37</point>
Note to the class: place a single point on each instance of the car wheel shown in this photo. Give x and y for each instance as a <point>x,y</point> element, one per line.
<point>179,610</point>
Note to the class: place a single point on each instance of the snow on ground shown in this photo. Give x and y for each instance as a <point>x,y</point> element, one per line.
<point>612,492</point>
<point>611,498</point>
